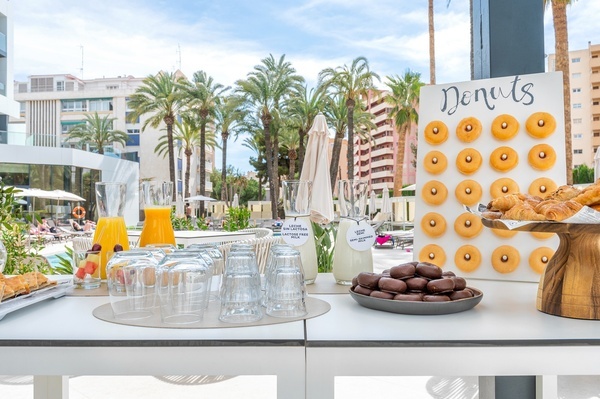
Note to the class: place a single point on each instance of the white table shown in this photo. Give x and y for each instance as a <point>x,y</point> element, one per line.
<point>61,337</point>
<point>502,336</point>
<point>188,237</point>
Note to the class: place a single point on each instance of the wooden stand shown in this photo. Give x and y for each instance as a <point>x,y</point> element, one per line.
<point>570,285</point>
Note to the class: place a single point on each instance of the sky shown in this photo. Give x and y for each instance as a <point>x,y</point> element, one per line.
<point>227,38</point>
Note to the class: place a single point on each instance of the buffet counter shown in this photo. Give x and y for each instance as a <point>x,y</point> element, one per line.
<point>504,335</point>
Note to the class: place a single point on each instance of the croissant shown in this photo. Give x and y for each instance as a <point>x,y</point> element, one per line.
<point>589,195</point>
<point>504,203</point>
<point>562,210</point>
<point>564,193</point>
<point>542,206</point>
<point>522,211</point>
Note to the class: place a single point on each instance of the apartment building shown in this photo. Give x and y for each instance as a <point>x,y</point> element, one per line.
<point>375,158</point>
<point>584,68</point>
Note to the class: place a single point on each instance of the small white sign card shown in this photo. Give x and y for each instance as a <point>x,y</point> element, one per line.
<point>360,236</point>
<point>295,232</point>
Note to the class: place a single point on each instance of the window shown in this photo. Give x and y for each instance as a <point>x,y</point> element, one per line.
<point>102,104</point>
<point>577,105</point>
<point>134,137</point>
<point>595,87</point>
<point>578,136</point>
<point>577,90</point>
<point>578,59</point>
<point>577,120</point>
<point>73,105</point>
<point>112,87</point>
<point>596,134</point>
<point>596,103</point>
<point>67,126</point>
<point>127,118</point>
<point>60,86</point>
<point>576,75</point>
<point>578,151</point>
<point>22,106</point>
<point>42,84</point>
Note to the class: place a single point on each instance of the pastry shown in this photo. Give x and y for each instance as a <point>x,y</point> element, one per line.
<point>436,298</point>
<point>505,127</point>
<point>428,270</point>
<point>505,259</point>
<point>433,253</point>
<point>359,289</point>
<point>468,129</point>
<point>558,210</point>
<point>506,202</point>
<point>541,157</point>
<point>564,193</point>
<point>436,132</point>
<point>540,125</point>
<point>502,233</point>
<point>468,192</point>
<point>589,196</point>
<point>468,225</point>
<point>410,296</point>
<point>462,294</point>
<point>440,286</point>
<point>540,235</point>
<point>468,161</point>
<point>523,211</point>
<point>542,187</point>
<point>406,270</point>
<point>467,258</point>
<point>391,285</point>
<point>368,280</point>
<point>433,224</point>
<point>503,186</point>
<point>434,192</point>
<point>435,162</point>
<point>539,258</point>
<point>381,295</point>
<point>504,159</point>
<point>416,283</point>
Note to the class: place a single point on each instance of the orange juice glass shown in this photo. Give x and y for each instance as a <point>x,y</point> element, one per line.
<point>157,228</point>
<point>110,229</point>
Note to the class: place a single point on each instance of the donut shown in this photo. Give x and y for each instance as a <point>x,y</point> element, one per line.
<point>503,186</point>
<point>416,283</point>
<point>434,192</point>
<point>436,132</point>
<point>433,253</point>
<point>540,125</point>
<point>359,289</point>
<point>391,285</point>
<point>433,224</point>
<point>459,283</point>
<point>409,296</point>
<point>542,187</point>
<point>468,129</point>
<point>505,127</point>
<point>435,162</point>
<point>468,225</point>
<point>540,235</point>
<point>539,258</point>
<point>505,259</point>
<point>468,161</point>
<point>467,258</point>
<point>406,270</point>
<point>381,295</point>
<point>440,286</point>
<point>541,157</point>
<point>504,159</point>
<point>436,298</point>
<point>462,294</point>
<point>428,270</point>
<point>504,233</point>
<point>368,280</point>
<point>468,192</point>
<point>448,274</point>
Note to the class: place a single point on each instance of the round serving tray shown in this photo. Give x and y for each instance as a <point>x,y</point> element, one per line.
<point>418,308</point>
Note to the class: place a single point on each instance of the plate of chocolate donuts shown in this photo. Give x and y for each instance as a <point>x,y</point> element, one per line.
<point>419,288</point>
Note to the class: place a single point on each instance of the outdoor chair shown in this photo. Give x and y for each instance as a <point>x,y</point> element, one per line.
<point>259,231</point>
<point>261,246</point>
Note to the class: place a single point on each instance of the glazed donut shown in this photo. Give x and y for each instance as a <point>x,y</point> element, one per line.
<point>540,235</point>
<point>540,125</point>
<point>435,162</point>
<point>503,186</point>
<point>468,192</point>
<point>542,187</point>
<point>433,253</point>
<point>468,225</point>
<point>505,127</point>
<point>436,132</point>
<point>539,258</point>
<point>434,192</point>
<point>504,233</point>
<point>541,157</point>
<point>505,259</point>
<point>467,258</point>
<point>468,161</point>
<point>504,159</point>
<point>433,224</point>
<point>468,129</point>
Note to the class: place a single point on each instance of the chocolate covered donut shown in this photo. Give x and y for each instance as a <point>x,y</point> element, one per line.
<point>404,271</point>
<point>416,283</point>
<point>388,284</point>
<point>436,298</point>
<point>359,289</point>
<point>441,285</point>
<point>459,283</point>
<point>462,294</point>
<point>382,295</point>
<point>368,280</point>
<point>409,296</point>
<point>428,270</point>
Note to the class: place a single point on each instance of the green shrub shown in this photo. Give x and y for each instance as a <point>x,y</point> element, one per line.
<point>237,219</point>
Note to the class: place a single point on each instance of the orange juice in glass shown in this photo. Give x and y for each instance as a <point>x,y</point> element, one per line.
<point>157,208</point>
<point>110,229</point>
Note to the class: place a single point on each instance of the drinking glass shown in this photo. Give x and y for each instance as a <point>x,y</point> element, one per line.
<point>156,200</point>
<point>286,290</point>
<point>240,289</point>
<point>86,269</point>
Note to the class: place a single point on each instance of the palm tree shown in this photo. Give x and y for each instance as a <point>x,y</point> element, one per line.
<point>561,47</point>
<point>290,141</point>
<point>404,99</point>
<point>203,95</point>
<point>98,131</point>
<point>229,119</point>
<point>431,44</point>
<point>159,96</point>
<point>351,82</point>
<point>253,143</point>
<point>265,89</point>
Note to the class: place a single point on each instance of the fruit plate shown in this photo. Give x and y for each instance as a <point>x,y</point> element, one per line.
<point>418,308</point>
<point>20,302</point>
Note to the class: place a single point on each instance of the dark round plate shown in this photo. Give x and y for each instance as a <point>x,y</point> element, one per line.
<point>418,308</point>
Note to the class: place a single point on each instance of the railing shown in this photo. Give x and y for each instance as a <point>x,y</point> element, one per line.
<point>32,140</point>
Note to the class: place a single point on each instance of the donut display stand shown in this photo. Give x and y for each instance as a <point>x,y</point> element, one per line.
<point>480,140</point>
<point>570,284</point>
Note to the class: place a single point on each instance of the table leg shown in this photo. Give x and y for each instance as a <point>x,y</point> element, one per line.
<point>50,387</point>
<point>546,387</point>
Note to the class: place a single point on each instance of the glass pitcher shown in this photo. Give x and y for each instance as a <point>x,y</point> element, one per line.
<point>110,229</point>
<point>347,261</point>
<point>157,228</point>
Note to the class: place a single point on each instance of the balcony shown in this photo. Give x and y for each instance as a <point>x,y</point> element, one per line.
<point>381,162</point>
<point>31,140</point>
<point>595,62</point>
